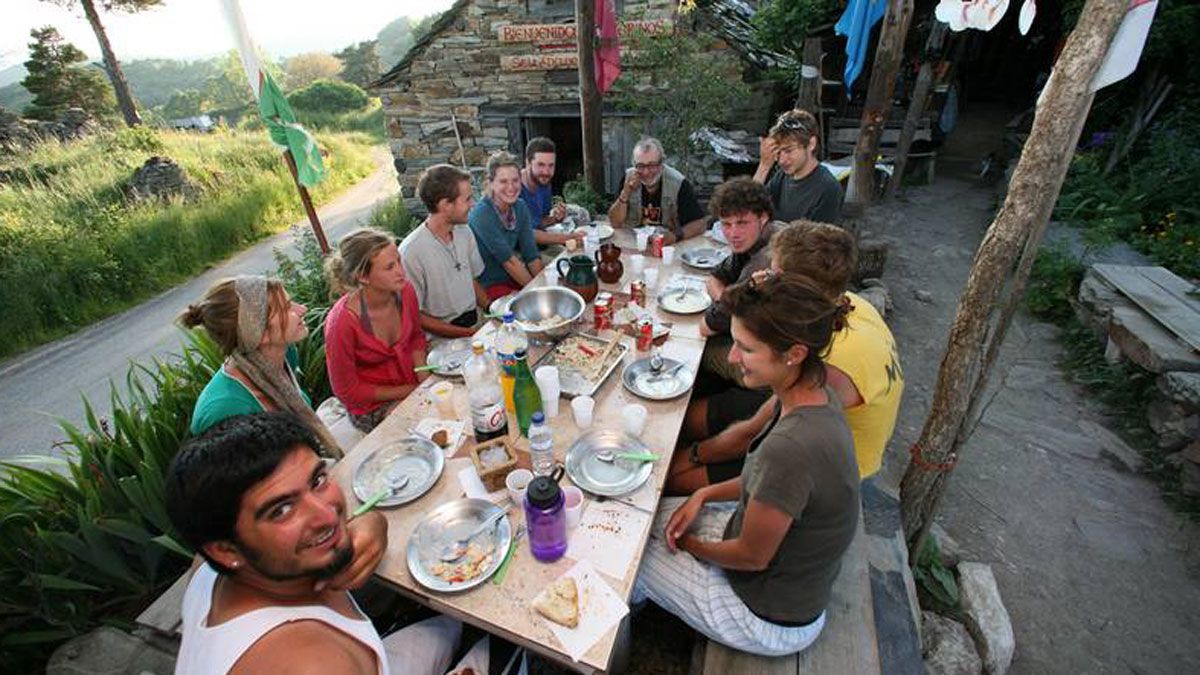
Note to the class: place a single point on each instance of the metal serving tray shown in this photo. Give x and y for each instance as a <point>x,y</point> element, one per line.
<point>573,382</point>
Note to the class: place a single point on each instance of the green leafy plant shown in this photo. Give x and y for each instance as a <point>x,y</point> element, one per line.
<point>934,578</point>
<point>577,191</point>
<point>329,96</point>
<point>1053,281</point>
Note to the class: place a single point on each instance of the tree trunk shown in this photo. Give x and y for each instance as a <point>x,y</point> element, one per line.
<point>809,96</point>
<point>590,115</point>
<point>120,86</point>
<point>878,106</point>
<point>1019,224</point>
<point>916,106</point>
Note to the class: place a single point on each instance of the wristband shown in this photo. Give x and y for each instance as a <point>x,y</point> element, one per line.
<point>623,200</point>
<point>694,453</point>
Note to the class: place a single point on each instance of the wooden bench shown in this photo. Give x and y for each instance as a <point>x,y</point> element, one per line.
<point>841,137</point>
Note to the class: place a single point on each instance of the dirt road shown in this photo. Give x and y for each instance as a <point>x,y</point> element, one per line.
<point>47,383</point>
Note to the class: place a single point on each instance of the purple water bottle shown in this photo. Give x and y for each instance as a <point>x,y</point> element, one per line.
<point>545,517</point>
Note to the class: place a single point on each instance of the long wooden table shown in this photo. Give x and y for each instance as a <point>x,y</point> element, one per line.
<point>505,609</point>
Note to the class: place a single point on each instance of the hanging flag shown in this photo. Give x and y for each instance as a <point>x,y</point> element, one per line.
<point>608,56</point>
<point>856,23</point>
<point>1126,48</point>
<point>273,106</point>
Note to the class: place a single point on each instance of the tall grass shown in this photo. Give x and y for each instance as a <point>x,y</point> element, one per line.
<point>73,249</point>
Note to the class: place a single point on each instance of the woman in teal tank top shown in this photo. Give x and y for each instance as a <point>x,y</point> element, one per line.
<point>256,325</point>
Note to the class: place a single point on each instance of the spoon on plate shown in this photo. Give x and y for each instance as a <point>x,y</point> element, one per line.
<point>458,549</point>
<point>395,482</point>
<point>608,456</point>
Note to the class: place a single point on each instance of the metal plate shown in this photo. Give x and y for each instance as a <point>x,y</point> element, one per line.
<point>575,383</point>
<point>449,356</point>
<point>704,258</point>
<point>500,305</point>
<point>418,458</point>
<point>684,300</point>
<point>717,234</point>
<point>602,478</point>
<point>445,524</point>
<point>639,379</point>
<point>603,230</point>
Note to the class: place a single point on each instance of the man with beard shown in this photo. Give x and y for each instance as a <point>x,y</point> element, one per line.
<point>540,157</point>
<point>255,500</point>
<point>801,188</point>
<point>655,193</point>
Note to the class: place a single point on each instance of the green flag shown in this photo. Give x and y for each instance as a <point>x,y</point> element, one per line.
<point>286,133</point>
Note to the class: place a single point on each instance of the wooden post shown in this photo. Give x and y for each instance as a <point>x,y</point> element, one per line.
<point>1018,226</point>
<point>313,220</point>
<point>916,106</point>
<point>879,99</point>
<point>590,119</point>
<point>809,95</point>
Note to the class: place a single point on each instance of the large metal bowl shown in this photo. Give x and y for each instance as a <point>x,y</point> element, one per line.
<point>543,302</point>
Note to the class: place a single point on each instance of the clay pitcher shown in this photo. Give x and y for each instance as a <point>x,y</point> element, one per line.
<point>609,266</point>
<point>579,276</point>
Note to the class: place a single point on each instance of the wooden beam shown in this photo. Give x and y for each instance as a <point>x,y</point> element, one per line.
<point>1016,231</point>
<point>590,115</point>
<point>916,106</point>
<point>878,105</point>
<point>809,95</point>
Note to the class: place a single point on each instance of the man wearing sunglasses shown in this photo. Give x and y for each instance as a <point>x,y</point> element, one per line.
<point>656,193</point>
<point>801,188</point>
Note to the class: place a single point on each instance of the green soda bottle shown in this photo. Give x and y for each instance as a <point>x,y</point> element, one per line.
<point>526,397</point>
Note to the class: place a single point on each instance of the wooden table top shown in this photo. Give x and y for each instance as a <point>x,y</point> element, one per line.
<point>505,609</point>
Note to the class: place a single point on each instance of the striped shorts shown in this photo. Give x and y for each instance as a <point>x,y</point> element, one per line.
<point>699,593</point>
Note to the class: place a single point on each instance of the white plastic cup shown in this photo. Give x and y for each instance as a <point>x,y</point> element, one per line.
<point>581,408</point>
<point>650,276</point>
<point>573,505</point>
<point>550,388</point>
<point>443,399</point>
<point>668,254</point>
<point>633,419</point>
<point>643,238</point>
<point>637,263</point>
<point>517,481</point>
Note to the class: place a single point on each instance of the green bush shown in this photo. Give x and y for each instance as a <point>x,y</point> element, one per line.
<point>73,249</point>
<point>393,216</point>
<point>577,191</point>
<point>329,96</point>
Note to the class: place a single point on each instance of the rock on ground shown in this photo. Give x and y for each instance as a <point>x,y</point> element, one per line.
<point>108,651</point>
<point>986,618</point>
<point>949,649</point>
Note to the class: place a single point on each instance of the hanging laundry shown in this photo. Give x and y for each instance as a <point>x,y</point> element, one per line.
<point>856,23</point>
<point>608,53</point>
<point>1025,20</point>
<point>978,14</point>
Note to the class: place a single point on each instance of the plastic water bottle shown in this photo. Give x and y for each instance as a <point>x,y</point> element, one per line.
<point>482,376</point>
<point>509,339</point>
<point>541,445</point>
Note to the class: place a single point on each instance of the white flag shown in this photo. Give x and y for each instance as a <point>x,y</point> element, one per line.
<point>1126,48</point>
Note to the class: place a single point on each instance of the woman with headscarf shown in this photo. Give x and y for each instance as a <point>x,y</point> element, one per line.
<point>255,323</point>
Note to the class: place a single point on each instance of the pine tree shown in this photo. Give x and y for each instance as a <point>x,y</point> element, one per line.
<point>360,63</point>
<point>57,83</point>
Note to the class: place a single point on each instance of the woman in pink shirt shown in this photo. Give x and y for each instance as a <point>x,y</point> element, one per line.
<point>373,338</point>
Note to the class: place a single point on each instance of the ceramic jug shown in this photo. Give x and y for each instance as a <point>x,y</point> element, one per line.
<point>579,275</point>
<point>609,267</point>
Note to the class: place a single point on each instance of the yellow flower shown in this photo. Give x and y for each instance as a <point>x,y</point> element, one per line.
<point>686,6</point>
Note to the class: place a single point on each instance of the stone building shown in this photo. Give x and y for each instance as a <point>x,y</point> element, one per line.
<point>491,74</point>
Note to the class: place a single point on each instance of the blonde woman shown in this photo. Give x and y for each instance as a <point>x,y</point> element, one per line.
<point>373,337</point>
<point>255,323</point>
<point>503,228</point>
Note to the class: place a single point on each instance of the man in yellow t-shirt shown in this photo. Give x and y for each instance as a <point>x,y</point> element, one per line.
<point>862,366</point>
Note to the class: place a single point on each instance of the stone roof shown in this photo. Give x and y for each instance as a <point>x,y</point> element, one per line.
<point>728,19</point>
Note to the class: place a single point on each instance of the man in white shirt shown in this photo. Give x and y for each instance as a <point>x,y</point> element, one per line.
<point>255,500</point>
<point>441,257</point>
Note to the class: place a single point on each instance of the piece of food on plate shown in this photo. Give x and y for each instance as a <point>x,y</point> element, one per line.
<point>441,437</point>
<point>559,602</point>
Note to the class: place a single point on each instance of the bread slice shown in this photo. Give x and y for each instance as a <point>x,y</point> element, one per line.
<point>559,602</point>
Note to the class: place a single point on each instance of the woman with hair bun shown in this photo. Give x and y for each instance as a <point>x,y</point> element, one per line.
<point>750,561</point>
<point>373,337</point>
<point>255,324</point>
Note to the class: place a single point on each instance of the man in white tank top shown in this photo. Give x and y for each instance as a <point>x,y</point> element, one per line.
<point>256,501</point>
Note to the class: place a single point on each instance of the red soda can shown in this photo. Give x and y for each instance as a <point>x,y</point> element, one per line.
<point>656,244</point>
<point>645,336</point>
<point>637,292</point>
<point>601,314</point>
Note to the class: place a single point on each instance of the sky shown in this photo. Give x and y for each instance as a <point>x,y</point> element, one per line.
<point>188,29</point>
